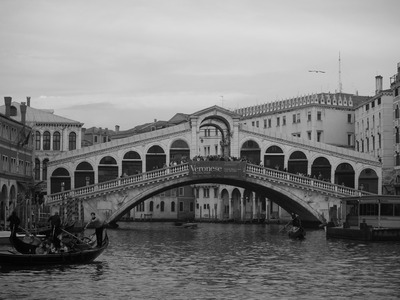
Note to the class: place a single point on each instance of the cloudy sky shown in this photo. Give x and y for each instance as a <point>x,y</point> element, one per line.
<point>128,62</point>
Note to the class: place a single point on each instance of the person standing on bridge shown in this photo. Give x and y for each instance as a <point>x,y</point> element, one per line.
<point>99,227</point>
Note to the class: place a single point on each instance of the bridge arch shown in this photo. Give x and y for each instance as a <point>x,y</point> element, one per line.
<point>298,162</point>
<point>132,163</point>
<point>155,157</point>
<point>107,168</point>
<point>345,174</point>
<point>321,168</point>
<point>179,150</point>
<point>368,181</point>
<point>84,174</point>
<point>60,180</point>
<point>274,157</point>
<point>289,199</point>
<point>250,149</point>
<point>224,204</point>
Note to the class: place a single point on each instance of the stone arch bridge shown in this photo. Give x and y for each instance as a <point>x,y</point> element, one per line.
<point>299,175</point>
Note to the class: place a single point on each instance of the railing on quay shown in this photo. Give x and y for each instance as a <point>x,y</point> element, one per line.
<point>183,169</point>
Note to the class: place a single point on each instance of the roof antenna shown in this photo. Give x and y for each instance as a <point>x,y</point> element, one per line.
<point>340,75</point>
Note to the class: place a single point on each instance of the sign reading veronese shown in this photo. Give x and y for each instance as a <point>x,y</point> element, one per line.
<point>222,169</point>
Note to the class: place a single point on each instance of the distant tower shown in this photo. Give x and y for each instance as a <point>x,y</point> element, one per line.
<point>340,75</point>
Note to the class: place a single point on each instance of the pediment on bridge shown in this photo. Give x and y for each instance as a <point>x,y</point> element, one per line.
<point>216,110</point>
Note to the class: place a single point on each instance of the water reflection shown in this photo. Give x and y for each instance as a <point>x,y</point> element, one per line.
<point>217,261</point>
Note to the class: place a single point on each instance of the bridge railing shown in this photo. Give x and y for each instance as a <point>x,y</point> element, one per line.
<point>119,182</point>
<point>184,168</point>
<point>320,184</point>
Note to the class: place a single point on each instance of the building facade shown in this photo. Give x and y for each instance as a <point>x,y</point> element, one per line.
<point>16,161</point>
<point>395,87</point>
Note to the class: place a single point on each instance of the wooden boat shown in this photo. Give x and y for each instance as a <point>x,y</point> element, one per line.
<point>5,237</point>
<point>368,218</point>
<point>186,225</point>
<point>297,233</point>
<point>70,257</point>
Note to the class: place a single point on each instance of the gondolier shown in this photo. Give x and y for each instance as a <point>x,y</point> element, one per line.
<point>14,222</point>
<point>99,227</point>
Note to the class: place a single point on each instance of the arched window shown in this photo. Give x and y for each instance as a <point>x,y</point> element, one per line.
<point>162,205</point>
<point>44,175</point>
<point>37,140</point>
<point>46,140</point>
<point>72,141</point>
<point>172,206</point>
<point>56,141</point>
<point>151,207</point>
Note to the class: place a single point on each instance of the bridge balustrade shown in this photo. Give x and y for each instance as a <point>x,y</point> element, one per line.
<point>183,170</point>
<point>119,182</point>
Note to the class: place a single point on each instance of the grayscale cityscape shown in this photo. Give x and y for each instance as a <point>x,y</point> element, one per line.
<point>199,150</point>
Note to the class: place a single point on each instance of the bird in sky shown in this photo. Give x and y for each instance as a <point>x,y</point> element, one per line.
<point>316,71</point>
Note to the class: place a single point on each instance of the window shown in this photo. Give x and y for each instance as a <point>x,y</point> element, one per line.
<point>309,116</point>
<point>257,124</point>
<point>95,138</point>
<point>181,191</point>
<point>373,104</point>
<point>319,136</point>
<point>283,120</point>
<point>44,171</point>
<point>367,107</point>
<point>269,123</point>
<point>350,139</point>
<point>294,119</point>
<point>298,118</point>
<point>162,206</point>
<point>309,135</point>
<point>265,123</point>
<point>191,206</point>
<point>172,206</point>
<point>349,118</point>
<point>206,193</point>
<point>215,192</point>
<point>253,123</point>
<point>56,141</point>
<point>396,112</point>
<point>151,206</point>
<point>37,169</point>
<point>379,101</point>
<point>46,140</point>
<point>319,116</point>
<point>37,140</point>
<point>180,205</point>
<point>72,141</point>
<point>278,121</point>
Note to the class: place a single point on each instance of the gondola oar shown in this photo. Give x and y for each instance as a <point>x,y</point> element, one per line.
<point>75,237</point>
<point>284,227</point>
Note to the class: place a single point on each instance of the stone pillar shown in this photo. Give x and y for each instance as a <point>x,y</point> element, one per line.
<point>242,208</point>
<point>231,208</point>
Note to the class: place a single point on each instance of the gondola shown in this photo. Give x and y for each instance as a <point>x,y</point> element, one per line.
<point>297,233</point>
<point>74,256</point>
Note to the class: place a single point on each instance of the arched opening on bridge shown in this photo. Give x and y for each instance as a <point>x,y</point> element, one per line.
<point>3,204</point>
<point>60,181</point>
<point>12,202</point>
<point>274,158</point>
<point>225,205</point>
<point>345,175</point>
<point>179,151</point>
<point>298,163</point>
<point>321,169</point>
<point>131,163</point>
<point>236,207</point>
<point>108,169</point>
<point>251,152</point>
<point>368,181</point>
<point>155,158</point>
<point>84,175</point>
<point>220,138</point>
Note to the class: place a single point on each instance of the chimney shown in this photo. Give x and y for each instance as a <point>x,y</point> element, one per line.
<point>155,120</point>
<point>28,101</point>
<point>117,128</point>
<point>23,112</point>
<point>378,84</point>
<point>7,101</point>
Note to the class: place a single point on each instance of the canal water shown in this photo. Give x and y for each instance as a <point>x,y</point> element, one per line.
<point>216,261</point>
